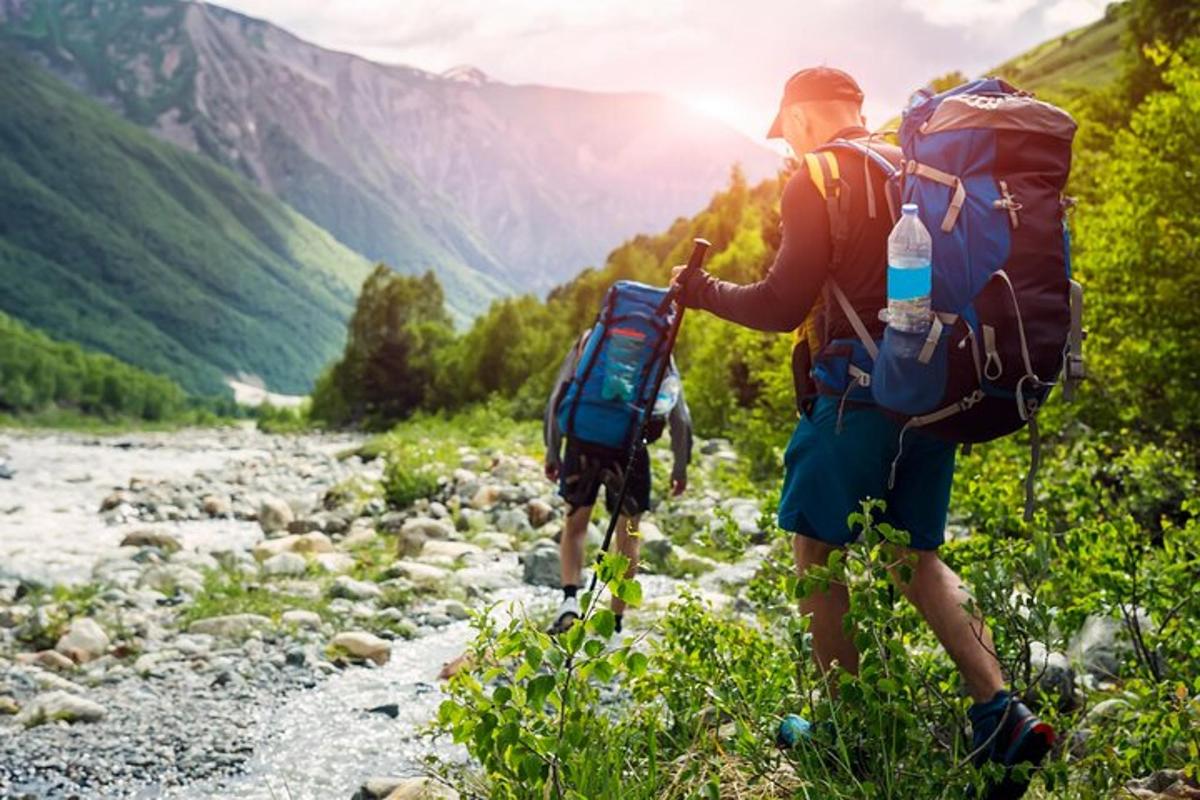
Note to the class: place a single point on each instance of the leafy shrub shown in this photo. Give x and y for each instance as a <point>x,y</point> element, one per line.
<point>405,482</point>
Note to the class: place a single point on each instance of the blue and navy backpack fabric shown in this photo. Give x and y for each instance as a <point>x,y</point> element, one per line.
<point>608,398</point>
<point>987,165</point>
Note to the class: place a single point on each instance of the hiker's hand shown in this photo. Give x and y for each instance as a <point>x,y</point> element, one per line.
<point>678,486</point>
<point>551,472</point>
<point>676,272</point>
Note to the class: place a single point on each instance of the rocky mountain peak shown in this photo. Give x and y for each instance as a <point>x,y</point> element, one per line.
<point>465,73</point>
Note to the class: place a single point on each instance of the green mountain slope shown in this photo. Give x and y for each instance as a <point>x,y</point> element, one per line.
<point>125,244</point>
<point>37,372</point>
<point>498,188</point>
<point>1073,63</point>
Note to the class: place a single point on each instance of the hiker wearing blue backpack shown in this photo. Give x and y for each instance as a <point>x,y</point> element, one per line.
<point>953,340</point>
<point>592,462</point>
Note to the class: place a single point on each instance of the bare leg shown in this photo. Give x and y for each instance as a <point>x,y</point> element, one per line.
<point>570,548</point>
<point>938,594</point>
<point>629,546</point>
<point>826,609</point>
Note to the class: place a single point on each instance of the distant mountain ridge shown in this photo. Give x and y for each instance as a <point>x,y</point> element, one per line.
<point>164,259</point>
<point>500,188</point>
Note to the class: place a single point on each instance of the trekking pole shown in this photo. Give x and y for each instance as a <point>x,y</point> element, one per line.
<point>699,248</point>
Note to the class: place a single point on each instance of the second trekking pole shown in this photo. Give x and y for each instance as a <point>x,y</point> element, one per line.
<point>699,248</point>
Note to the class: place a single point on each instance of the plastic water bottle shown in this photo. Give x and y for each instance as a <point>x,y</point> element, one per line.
<point>910,274</point>
<point>668,395</point>
<point>621,365</point>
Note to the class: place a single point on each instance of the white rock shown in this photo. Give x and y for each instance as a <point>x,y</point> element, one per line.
<point>53,706</point>
<point>46,659</point>
<point>417,531</point>
<point>274,514</point>
<point>169,577</point>
<point>336,563</point>
<point>423,576</point>
<point>215,506</point>
<point>438,551</point>
<point>514,521</point>
<point>485,497</point>
<point>487,578</point>
<point>359,536</point>
<point>494,540</point>
<point>347,587</point>
<point>364,645</point>
<point>539,512</point>
<point>83,641</point>
<point>291,565</point>
<point>230,625</point>
<point>541,567</point>
<point>454,609</point>
<point>151,537</point>
<point>422,789</point>
<point>314,542</point>
<point>430,527</point>
<point>301,618</point>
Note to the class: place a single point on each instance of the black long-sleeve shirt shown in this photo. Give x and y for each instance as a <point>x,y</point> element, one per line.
<point>782,300</point>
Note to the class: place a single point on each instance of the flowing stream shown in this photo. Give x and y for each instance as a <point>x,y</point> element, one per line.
<point>317,742</point>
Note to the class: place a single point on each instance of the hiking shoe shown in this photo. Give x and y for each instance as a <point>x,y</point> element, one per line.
<point>1006,732</point>
<point>568,614</point>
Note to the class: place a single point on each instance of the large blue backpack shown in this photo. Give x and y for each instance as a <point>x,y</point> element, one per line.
<point>987,165</point>
<point>608,397</point>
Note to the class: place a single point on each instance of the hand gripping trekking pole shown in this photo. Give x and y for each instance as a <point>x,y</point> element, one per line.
<point>699,248</point>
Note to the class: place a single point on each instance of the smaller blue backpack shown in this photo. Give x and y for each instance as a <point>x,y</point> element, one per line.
<point>608,397</point>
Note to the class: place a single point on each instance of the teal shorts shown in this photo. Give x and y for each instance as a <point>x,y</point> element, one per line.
<point>829,474</point>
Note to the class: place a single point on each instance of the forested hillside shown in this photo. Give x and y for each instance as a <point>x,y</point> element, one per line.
<point>115,240</point>
<point>1075,63</point>
<point>1111,560</point>
<point>38,373</point>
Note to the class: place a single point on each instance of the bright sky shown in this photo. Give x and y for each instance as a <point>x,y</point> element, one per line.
<point>728,58</point>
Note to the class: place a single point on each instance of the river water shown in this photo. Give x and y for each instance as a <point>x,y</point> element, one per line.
<point>315,743</point>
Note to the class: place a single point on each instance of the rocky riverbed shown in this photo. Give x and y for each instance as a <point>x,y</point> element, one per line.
<point>225,613</point>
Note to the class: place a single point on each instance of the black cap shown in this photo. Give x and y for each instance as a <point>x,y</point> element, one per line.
<point>815,84</point>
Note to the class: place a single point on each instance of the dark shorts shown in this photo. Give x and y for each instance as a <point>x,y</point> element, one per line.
<point>829,474</point>
<point>585,471</point>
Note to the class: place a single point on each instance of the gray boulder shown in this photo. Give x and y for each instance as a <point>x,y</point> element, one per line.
<point>151,537</point>
<point>285,565</point>
<point>84,640</point>
<point>60,705</point>
<point>541,565</point>
<point>1102,646</point>
<point>274,515</point>
<point>349,588</point>
<point>1054,678</point>
<point>417,531</point>
<point>231,625</point>
<point>513,521</point>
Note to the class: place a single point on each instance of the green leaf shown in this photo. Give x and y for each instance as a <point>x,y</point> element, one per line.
<point>603,671</point>
<point>630,591</point>
<point>533,657</point>
<point>593,647</point>
<point>602,623</point>
<point>637,663</point>
<point>538,690</point>
<point>573,638</point>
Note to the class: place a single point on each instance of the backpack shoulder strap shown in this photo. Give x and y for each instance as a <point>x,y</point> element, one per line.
<point>825,172</point>
<point>884,157</point>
